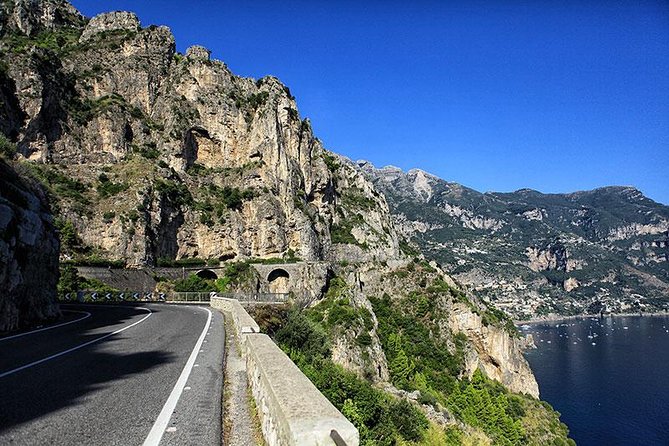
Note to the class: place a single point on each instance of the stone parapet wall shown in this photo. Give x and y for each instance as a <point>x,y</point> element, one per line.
<point>292,410</point>
<point>241,320</point>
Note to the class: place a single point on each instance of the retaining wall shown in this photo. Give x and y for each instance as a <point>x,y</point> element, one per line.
<point>292,410</point>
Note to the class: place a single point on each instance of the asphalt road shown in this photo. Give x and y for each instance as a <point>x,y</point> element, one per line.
<point>115,375</point>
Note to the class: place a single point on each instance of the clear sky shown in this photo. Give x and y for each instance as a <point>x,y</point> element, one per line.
<point>556,96</point>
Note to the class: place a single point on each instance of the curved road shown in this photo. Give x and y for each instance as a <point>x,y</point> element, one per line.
<point>126,374</point>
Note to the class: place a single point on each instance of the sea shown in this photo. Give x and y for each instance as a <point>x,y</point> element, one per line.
<point>608,377</point>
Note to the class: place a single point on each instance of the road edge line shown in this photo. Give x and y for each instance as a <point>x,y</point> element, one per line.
<point>85,344</point>
<point>159,426</point>
<point>87,315</point>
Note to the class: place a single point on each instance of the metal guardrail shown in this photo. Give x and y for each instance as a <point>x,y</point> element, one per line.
<point>173,296</point>
<point>177,296</point>
<point>115,296</point>
<point>257,297</point>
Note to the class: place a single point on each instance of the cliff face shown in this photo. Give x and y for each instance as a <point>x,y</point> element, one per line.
<point>535,254</point>
<point>155,155</point>
<point>174,156</point>
<point>28,253</point>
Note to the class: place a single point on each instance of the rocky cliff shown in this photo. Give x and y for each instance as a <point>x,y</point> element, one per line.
<point>28,253</point>
<point>536,254</point>
<point>151,156</point>
<point>159,155</point>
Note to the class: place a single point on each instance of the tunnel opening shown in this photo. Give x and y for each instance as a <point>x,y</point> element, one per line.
<point>278,281</point>
<point>207,274</point>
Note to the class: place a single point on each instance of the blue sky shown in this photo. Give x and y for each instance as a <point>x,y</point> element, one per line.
<point>497,95</point>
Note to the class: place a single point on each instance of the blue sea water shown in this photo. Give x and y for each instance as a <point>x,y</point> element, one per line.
<point>608,377</point>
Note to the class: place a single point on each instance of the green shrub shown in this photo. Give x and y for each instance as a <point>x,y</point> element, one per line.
<point>380,419</point>
<point>194,283</point>
<point>108,217</point>
<point>58,185</point>
<point>69,280</point>
<point>107,188</point>
<point>177,193</point>
<point>7,148</point>
<point>331,162</point>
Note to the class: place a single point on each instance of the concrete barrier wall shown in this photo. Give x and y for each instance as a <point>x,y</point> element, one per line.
<point>241,320</point>
<point>291,409</point>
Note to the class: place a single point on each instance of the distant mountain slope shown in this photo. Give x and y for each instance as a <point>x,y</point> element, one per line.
<point>534,253</point>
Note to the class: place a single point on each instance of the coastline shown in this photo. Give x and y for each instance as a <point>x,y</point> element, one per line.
<point>560,318</point>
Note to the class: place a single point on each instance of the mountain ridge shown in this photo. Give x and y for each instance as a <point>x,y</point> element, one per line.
<point>527,230</point>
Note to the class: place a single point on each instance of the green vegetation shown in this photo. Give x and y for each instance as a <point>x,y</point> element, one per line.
<point>341,233</point>
<point>336,310</point>
<point>416,349</point>
<point>487,404</point>
<point>418,359</point>
<point>94,259</point>
<point>83,111</point>
<point>292,113</point>
<point>235,273</point>
<point>189,261</point>
<point>70,282</point>
<point>59,185</point>
<point>229,197</point>
<point>7,148</point>
<point>108,216</point>
<point>60,41</point>
<point>355,198</point>
<point>407,249</point>
<point>107,188</point>
<point>331,162</point>
<point>147,150</point>
<point>194,283</point>
<point>257,100</point>
<point>219,200</point>
<point>380,419</point>
<point>177,193</point>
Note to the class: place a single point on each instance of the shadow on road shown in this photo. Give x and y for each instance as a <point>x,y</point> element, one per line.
<point>66,381</point>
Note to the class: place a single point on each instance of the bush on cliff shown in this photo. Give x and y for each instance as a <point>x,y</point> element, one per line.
<point>380,418</point>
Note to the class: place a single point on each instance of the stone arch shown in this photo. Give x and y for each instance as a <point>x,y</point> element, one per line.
<point>278,280</point>
<point>207,274</point>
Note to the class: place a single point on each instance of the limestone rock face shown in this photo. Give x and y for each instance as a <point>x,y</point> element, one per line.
<point>494,351</point>
<point>197,52</point>
<point>110,21</point>
<point>551,257</point>
<point>34,16</point>
<point>28,253</point>
<point>202,163</point>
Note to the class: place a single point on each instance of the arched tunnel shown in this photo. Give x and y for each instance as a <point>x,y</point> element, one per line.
<point>278,280</point>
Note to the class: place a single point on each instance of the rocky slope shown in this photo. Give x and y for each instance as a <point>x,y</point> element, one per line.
<point>28,253</point>
<point>533,253</point>
<point>152,156</point>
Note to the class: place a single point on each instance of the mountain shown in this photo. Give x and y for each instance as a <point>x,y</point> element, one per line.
<point>535,254</point>
<point>150,158</point>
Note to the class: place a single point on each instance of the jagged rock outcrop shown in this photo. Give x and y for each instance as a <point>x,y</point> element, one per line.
<point>34,16</point>
<point>110,21</point>
<point>28,253</point>
<point>494,351</point>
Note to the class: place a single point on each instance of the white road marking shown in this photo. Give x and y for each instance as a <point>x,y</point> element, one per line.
<point>48,358</point>
<point>85,313</point>
<point>156,433</point>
